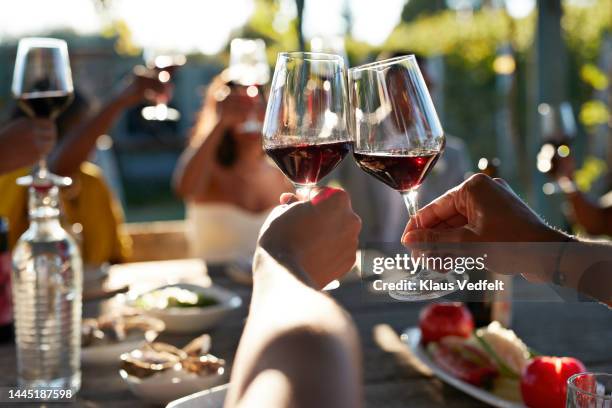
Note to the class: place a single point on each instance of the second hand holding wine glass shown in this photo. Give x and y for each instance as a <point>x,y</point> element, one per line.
<point>305,129</point>
<point>398,137</point>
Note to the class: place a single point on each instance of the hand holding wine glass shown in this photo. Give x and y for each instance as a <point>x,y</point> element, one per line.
<point>42,81</point>
<point>305,130</point>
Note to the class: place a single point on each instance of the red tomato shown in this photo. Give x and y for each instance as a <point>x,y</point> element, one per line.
<point>439,320</point>
<point>544,381</point>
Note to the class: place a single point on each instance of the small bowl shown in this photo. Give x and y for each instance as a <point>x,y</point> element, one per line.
<point>170,384</point>
<point>194,319</point>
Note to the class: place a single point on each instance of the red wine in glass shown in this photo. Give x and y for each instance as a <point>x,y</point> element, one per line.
<point>44,104</point>
<point>402,170</point>
<point>306,164</point>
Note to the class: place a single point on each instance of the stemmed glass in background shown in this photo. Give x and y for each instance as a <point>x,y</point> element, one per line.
<point>305,130</point>
<point>164,63</point>
<point>42,84</point>
<point>248,73</point>
<point>558,130</point>
<point>397,135</point>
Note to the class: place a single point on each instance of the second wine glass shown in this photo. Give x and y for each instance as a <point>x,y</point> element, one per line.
<point>398,137</point>
<point>305,128</point>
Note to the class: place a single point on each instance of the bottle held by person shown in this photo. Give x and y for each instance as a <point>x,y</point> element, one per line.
<point>6,305</point>
<point>47,288</point>
<point>491,305</point>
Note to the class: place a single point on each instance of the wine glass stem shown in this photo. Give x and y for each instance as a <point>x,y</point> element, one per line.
<point>42,168</point>
<point>303,191</point>
<point>410,198</point>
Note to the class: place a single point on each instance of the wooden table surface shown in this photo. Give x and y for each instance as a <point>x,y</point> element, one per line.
<point>392,376</point>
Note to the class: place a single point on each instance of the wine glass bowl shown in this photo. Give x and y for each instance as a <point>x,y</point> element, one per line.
<point>305,128</point>
<point>163,63</point>
<point>396,132</point>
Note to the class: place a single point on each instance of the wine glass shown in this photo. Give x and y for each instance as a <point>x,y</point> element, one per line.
<point>305,130</point>
<point>164,63</point>
<point>397,135</point>
<point>42,82</point>
<point>558,131</point>
<point>248,62</point>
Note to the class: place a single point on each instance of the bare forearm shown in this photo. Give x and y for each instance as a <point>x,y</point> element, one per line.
<point>286,318</point>
<point>195,164</point>
<point>587,267</point>
<point>595,219</point>
<point>9,158</point>
<point>78,144</point>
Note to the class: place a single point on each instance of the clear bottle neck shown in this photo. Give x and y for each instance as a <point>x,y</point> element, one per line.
<point>44,204</point>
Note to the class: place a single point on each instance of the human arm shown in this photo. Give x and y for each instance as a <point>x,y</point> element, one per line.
<point>77,145</point>
<point>299,348</point>
<point>482,212</point>
<point>24,141</point>
<point>595,218</point>
<point>223,111</point>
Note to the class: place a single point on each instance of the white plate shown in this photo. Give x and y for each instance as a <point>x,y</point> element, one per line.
<point>412,337</point>
<point>212,398</point>
<point>195,319</point>
<point>170,384</point>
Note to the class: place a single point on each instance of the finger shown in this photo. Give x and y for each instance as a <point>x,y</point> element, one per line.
<point>431,236</point>
<point>320,195</point>
<point>503,183</point>
<point>441,209</point>
<point>288,198</point>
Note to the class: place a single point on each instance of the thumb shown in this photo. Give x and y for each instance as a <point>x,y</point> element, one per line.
<point>427,236</point>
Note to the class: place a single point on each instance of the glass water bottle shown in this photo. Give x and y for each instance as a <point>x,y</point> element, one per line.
<point>47,287</point>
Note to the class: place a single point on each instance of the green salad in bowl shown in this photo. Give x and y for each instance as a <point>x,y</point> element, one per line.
<point>173,297</point>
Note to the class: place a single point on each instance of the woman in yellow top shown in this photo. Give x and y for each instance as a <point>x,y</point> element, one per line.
<point>88,202</point>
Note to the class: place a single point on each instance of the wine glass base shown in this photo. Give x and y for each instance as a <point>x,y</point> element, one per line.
<point>440,284</point>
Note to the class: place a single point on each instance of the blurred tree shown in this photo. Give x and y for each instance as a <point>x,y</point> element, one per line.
<point>415,8</point>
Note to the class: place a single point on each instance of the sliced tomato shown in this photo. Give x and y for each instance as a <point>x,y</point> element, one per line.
<point>464,361</point>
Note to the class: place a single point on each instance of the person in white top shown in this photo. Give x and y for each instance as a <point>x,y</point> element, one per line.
<point>224,176</point>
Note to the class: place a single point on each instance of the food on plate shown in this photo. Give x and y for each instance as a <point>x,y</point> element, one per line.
<point>173,297</point>
<point>509,352</point>
<point>439,320</point>
<point>464,360</point>
<point>112,329</point>
<point>494,358</point>
<point>544,381</point>
<point>153,358</point>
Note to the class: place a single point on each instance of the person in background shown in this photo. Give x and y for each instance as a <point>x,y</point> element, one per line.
<point>382,210</point>
<point>224,176</point>
<point>24,141</point>
<point>308,354</point>
<point>89,208</point>
<point>594,217</point>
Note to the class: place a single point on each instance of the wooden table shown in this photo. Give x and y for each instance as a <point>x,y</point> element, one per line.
<point>392,376</point>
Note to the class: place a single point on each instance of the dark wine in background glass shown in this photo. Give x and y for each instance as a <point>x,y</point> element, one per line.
<point>402,170</point>
<point>42,83</point>
<point>305,129</point>
<point>307,164</point>
<point>46,104</point>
